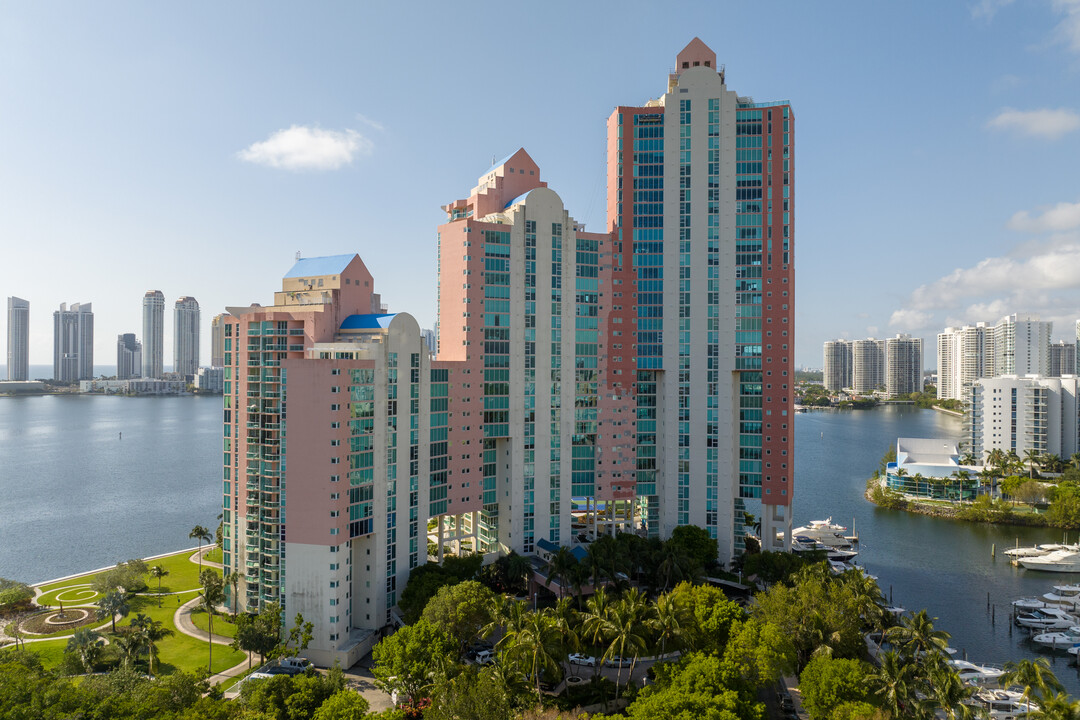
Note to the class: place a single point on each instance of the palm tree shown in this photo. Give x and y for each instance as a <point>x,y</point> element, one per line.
<point>202,535</point>
<point>113,604</point>
<point>625,630</point>
<point>1035,676</point>
<point>968,458</point>
<point>209,598</point>
<point>159,572</point>
<point>87,645</point>
<point>1058,707</point>
<point>868,599</point>
<point>560,568</point>
<point>130,644</point>
<point>1031,456</point>
<point>666,622</point>
<point>518,569</point>
<point>895,683</point>
<point>949,692</point>
<point>567,622</point>
<point>537,645</point>
<point>1074,460</point>
<point>916,636</point>
<point>151,631</point>
<point>674,566</point>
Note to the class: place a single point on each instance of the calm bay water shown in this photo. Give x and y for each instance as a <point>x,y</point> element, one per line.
<point>75,496</point>
<point>943,566</point>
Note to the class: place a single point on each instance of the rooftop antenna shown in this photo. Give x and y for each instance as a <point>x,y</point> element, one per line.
<point>297,254</point>
<point>493,159</point>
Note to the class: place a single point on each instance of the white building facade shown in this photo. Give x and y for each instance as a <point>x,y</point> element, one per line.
<point>1022,345</point>
<point>18,339</point>
<point>903,365</point>
<point>1016,413</point>
<point>867,365</point>
<point>186,336</point>
<point>837,373</point>
<point>73,342</point>
<point>153,334</point>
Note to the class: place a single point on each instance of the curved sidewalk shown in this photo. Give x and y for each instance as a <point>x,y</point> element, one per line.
<point>183,623</point>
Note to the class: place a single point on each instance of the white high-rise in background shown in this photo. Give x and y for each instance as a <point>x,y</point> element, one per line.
<point>1022,345</point>
<point>965,354</point>
<point>128,357</point>
<point>1062,359</point>
<point>903,365</point>
<point>1024,413</point>
<point>186,336</point>
<point>153,333</point>
<point>73,343</point>
<point>837,373</point>
<point>18,339</point>
<point>867,365</point>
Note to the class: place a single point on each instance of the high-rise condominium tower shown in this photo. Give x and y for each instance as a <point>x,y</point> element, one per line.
<point>965,354</point>
<point>186,336</point>
<point>73,343</point>
<point>18,339</point>
<point>128,357</point>
<point>903,365</point>
<point>153,333</point>
<point>867,365</point>
<point>217,341</point>
<point>701,207</point>
<point>837,365</point>
<point>1022,345</point>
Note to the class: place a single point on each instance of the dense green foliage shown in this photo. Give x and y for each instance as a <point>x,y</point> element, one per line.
<point>14,595</point>
<point>826,683</point>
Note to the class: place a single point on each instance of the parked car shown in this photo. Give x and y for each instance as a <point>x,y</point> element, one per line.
<point>485,657</point>
<point>616,661</point>
<point>580,659</point>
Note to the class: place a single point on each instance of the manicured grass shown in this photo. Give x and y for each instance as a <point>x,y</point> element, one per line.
<point>222,626</point>
<point>214,555</point>
<point>74,593</point>
<point>177,652</point>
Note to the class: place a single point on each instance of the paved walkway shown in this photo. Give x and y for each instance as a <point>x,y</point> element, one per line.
<point>205,563</point>
<point>182,621</point>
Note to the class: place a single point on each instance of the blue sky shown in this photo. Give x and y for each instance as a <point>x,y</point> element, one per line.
<point>196,147</point>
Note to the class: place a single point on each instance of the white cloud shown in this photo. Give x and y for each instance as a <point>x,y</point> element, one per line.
<point>986,9</point>
<point>369,122</point>
<point>909,320</point>
<point>1060,218</point>
<point>1068,28</point>
<point>307,148</point>
<point>1045,123</point>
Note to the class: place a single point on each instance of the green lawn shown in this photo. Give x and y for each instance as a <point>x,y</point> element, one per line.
<point>214,555</point>
<point>222,625</point>
<point>178,652</point>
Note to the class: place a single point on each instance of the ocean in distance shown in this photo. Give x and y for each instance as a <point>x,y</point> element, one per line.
<point>74,496</point>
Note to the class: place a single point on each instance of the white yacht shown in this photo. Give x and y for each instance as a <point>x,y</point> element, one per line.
<point>1048,618</point>
<point>1056,561</point>
<point>975,674</point>
<point>1004,703</point>
<point>825,532</point>
<point>1066,595</point>
<point>1029,603</point>
<point>1035,550</point>
<point>1060,639</point>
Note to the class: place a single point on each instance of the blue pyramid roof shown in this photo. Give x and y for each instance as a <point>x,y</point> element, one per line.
<point>316,266</point>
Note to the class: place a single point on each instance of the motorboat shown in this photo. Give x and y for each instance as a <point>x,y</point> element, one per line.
<point>1059,639</point>
<point>802,543</point>
<point>975,674</point>
<point>1004,703</point>
<point>1068,595</point>
<point>1029,603</point>
<point>1048,618</point>
<point>1035,550</point>
<point>1056,561</point>
<point>825,532</point>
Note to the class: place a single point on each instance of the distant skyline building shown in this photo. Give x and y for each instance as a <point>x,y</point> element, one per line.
<point>73,343</point>
<point>186,336</point>
<point>867,365</point>
<point>18,339</point>
<point>965,354</point>
<point>128,357</point>
<point>903,365</point>
<point>1022,345</point>
<point>217,340</point>
<point>836,374</point>
<point>1062,359</point>
<point>153,334</point>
